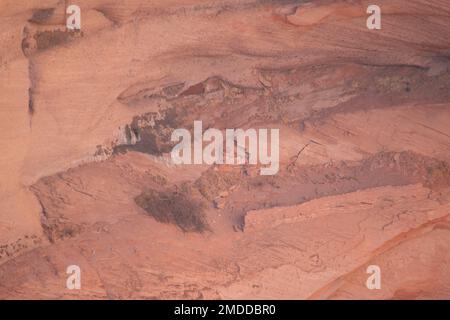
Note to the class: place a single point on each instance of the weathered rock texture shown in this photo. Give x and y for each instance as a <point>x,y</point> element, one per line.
<point>86,118</point>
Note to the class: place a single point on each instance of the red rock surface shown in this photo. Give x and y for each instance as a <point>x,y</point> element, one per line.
<point>364,179</point>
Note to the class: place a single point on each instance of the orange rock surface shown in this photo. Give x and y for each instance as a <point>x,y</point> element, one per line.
<point>87,116</point>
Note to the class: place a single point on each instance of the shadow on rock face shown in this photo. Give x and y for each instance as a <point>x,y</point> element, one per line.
<point>174,207</point>
<point>42,15</point>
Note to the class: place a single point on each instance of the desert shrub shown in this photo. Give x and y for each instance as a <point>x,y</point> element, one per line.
<point>174,207</point>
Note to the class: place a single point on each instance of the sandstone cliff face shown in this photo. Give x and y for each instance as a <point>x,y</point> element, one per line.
<point>87,116</point>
